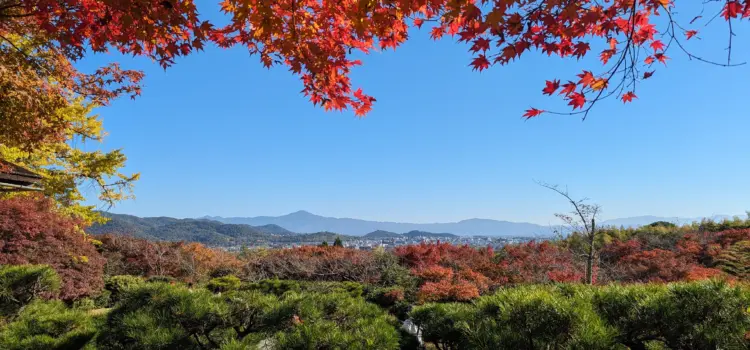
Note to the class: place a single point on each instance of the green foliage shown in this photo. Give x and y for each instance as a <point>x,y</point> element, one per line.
<point>699,315</point>
<point>704,315</point>
<point>20,284</point>
<point>696,315</point>
<point>161,279</point>
<point>353,289</point>
<point>392,273</point>
<point>279,287</point>
<point>273,286</point>
<point>537,317</point>
<point>631,311</point>
<point>444,324</point>
<point>335,321</point>
<point>224,284</point>
<point>48,325</point>
<point>117,285</point>
<point>162,316</point>
<point>735,260</point>
<point>338,242</point>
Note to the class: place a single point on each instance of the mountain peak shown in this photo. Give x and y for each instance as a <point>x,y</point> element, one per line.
<point>301,213</point>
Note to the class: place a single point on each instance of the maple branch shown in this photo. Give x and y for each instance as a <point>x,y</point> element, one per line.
<point>731,34</point>
<point>673,38</point>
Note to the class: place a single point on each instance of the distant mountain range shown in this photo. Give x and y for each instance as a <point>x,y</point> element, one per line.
<point>303,221</point>
<point>192,230</point>
<point>303,226</point>
<point>216,233</point>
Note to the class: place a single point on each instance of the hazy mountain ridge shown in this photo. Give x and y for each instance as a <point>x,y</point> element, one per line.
<point>194,230</point>
<point>303,221</point>
<point>304,226</point>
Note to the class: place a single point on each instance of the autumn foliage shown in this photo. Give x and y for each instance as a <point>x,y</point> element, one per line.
<point>318,39</point>
<point>312,263</point>
<point>189,262</point>
<point>33,231</point>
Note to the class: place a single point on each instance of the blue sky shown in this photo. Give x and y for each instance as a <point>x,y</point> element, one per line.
<point>217,134</point>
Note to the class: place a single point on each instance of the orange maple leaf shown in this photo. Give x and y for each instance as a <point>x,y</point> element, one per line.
<point>599,84</point>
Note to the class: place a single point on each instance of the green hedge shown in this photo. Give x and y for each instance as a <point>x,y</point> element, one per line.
<point>697,315</point>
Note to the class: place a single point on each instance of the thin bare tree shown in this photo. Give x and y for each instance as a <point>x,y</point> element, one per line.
<point>581,219</point>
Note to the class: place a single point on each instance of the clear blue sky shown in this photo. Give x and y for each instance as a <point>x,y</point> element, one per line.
<point>217,134</point>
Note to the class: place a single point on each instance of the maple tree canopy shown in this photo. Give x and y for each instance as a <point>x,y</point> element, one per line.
<point>317,38</point>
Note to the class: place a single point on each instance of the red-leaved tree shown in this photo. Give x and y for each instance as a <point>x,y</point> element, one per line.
<point>32,231</point>
<point>319,39</point>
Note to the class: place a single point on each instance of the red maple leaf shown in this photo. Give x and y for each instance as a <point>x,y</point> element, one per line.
<point>568,88</point>
<point>661,58</point>
<point>657,45</point>
<point>606,55</point>
<point>690,33</point>
<point>577,100</point>
<point>533,112</point>
<point>480,44</point>
<point>586,78</point>
<point>732,9</point>
<point>628,97</point>
<point>648,74</point>
<point>649,60</point>
<point>418,22</point>
<point>551,87</point>
<point>480,63</point>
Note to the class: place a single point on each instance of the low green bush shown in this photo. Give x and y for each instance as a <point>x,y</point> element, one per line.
<point>117,285</point>
<point>21,284</point>
<point>223,284</point>
<point>48,325</point>
<point>695,315</point>
<point>444,324</point>
<point>273,286</point>
<point>163,316</point>
<point>161,279</point>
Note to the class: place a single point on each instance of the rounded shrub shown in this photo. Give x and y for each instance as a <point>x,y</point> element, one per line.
<point>45,325</point>
<point>223,284</point>
<point>117,285</point>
